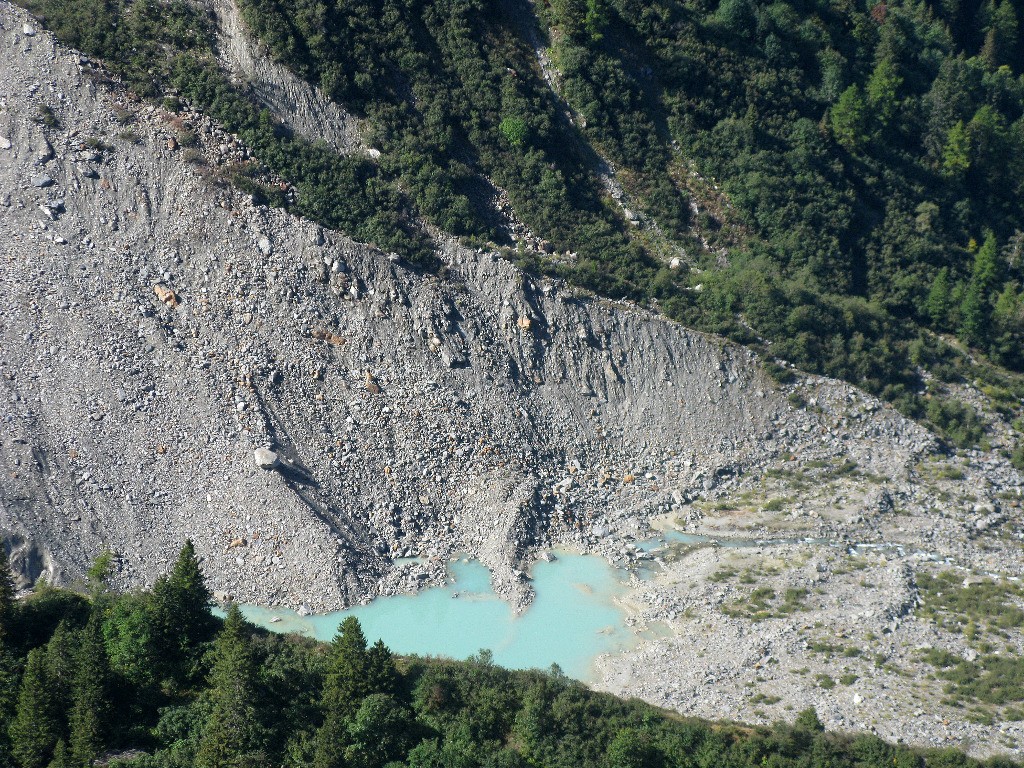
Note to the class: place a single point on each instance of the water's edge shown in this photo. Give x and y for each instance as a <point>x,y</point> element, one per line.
<point>577,613</point>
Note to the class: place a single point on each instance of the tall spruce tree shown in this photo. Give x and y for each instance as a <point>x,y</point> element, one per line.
<point>976,308</point>
<point>182,619</point>
<point>232,735</point>
<point>62,757</point>
<point>937,304</point>
<point>849,118</point>
<point>881,91</point>
<point>1007,338</point>
<point>347,680</point>
<point>381,674</point>
<point>61,663</point>
<point>1002,35</point>
<point>346,686</point>
<point>7,604</point>
<point>956,155</point>
<point>35,730</point>
<point>8,701</point>
<point>973,314</point>
<point>90,709</point>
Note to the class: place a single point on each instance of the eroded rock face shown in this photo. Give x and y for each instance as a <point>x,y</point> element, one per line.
<point>302,108</point>
<point>482,411</point>
<point>28,562</point>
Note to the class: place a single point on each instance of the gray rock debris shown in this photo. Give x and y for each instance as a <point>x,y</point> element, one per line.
<point>266,458</point>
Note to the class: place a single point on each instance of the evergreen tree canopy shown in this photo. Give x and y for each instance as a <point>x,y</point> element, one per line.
<point>62,665</point>
<point>35,730</point>
<point>181,615</point>
<point>90,710</point>
<point>7,592</point>
<point>381,731</point>
<point>268,700</point>
<point>62,757</point>
<point>8,700</point>
<point>233,735</point>
<point>348,679</point>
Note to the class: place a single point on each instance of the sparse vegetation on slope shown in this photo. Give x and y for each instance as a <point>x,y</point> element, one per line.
<point>453,94</point>
<point>165,48</point>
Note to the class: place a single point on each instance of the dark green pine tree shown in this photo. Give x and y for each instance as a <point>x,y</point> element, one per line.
<point>62,757</point>
<point>381,674</point>
<point>182,620</point>
<point>849,118</point>
<point>988,265</point>
<point>1007,338</point>
<point>232,735</point>
<point>347,684</point>
<point>976,309</point>
<point>35,730</point>
<point>1002,36</point>
<point>347,680</point>
<point>7,604</point>
<point>8,701</point>
<point>882,91</point>
<point>8,662</point>
<point>61,664</point>
<point>90,709</point>
<point>937,305</point>
<point>973,315</point>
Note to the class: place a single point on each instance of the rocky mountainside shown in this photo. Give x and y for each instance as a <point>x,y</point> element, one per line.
<point>159,327</point>
<point>328,424</point>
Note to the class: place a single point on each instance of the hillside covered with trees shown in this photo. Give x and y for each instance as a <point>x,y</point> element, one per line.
<point>152,679</point>
<point>869,156</point>
<point>839,181</point>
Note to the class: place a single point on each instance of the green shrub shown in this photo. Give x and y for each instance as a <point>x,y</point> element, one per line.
<point>513,130</point>
<point>46,116</point>
<point>957,422</point>
<point>1017,456</point>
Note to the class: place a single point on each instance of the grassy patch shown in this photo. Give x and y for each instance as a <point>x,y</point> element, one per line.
<point>763,603</point>
<point>992,679</point>
<point>984,606</point>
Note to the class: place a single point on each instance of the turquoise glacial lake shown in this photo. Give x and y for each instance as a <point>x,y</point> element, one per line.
<point>573,618</point>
